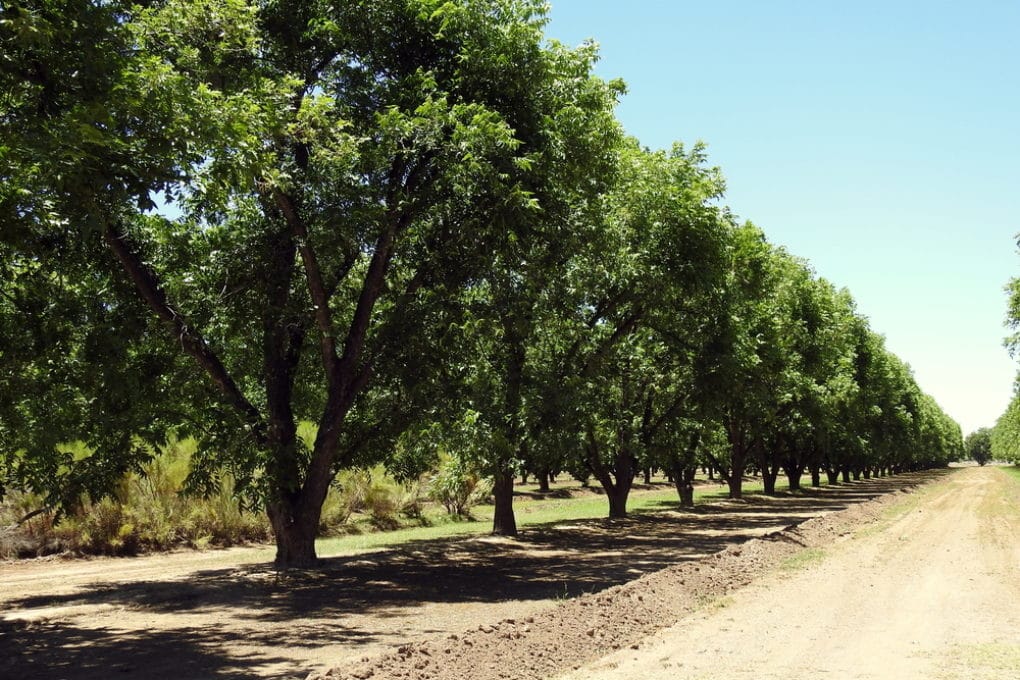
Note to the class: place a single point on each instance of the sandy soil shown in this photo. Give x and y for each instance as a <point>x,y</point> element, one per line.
<point>934,593</point>
<point>558,598</point>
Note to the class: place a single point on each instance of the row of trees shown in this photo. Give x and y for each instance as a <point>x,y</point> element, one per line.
<point>1002,442</point>
<point>416,224</point>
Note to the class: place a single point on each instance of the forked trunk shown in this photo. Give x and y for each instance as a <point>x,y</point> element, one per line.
<point>683,481</point>
<point>616,481</point>
<point>735,480</point>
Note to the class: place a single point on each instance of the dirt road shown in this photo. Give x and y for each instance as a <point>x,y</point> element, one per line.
<point>932,592</point>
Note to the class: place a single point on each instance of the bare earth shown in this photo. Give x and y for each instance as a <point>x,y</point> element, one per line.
<point>885,584</point>
<point>932,593</point>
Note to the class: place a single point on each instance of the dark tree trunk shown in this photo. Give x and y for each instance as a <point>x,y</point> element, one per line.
<point>857,474</point>
<point>867,473</point>
<point>524,476</point>
<point>543,481</point>
<point>846,474</point>
<point>617,502</point>
<point>833,475</point>
<point>683,480</point>
<point>735,479</point>
<point>617,480</point>
<point>768,480</point>
<point>648,475</point>
<point>793,475</point>
<point>738,460</point>
<point>294,531</point>
<point>503,521</point>
<point>816,476</point>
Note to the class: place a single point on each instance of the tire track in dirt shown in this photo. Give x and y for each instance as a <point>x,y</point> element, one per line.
<point>220,615</point>
<point>622,617</point>
<point>932,593</point>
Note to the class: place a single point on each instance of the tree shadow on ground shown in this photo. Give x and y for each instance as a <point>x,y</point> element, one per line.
<point>63,650</point>
<point>338,601</point>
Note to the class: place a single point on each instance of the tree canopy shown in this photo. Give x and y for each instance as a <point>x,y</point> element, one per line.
<point>413,223</point>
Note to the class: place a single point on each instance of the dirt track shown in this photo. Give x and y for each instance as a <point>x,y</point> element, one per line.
<point>939,582</point>
<point>932,593</point>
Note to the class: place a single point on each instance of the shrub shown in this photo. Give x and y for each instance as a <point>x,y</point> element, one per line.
<point>457,485</point>
<point>148,511</point>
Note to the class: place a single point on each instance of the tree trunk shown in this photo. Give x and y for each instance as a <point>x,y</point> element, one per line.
<point>616,480</point>
<point>617,501</point>
<point>833,475</point>
<point>846,474</point>
<point>648,475</point>
<point>857,475</point>
<point>683,480</point>
<point>816,476</point>
<point>503,521</point>
<point>793,475</point>
<point>867,473</point>
<point>738,461</point>
<point>768,480</point>
<point>295,535</point>
<point>543,481</point>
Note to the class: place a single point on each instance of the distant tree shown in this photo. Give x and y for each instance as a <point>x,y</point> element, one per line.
<point>635,304</point>
<point>979,445</point>
<point>1006,433</point>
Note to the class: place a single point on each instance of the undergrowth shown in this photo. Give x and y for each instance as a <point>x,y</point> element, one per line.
<point>151,512</point>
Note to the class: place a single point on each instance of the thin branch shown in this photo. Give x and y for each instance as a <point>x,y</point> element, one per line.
<point>316,284</point>
<point>628,324</point>
<point>371,289</point>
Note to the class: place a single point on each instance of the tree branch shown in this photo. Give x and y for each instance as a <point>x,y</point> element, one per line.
<point>316,284</point>
<point>371,289</point>
<point>192,342</point>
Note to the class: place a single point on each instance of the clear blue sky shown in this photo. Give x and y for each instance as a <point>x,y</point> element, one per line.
<point>878,140</point>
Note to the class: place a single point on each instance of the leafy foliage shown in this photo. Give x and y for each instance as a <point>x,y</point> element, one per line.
<point>414,225</point>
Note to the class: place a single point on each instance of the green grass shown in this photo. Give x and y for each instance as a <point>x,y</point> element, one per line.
<point>803,558</point>
<point>1014,471</point>
<point>980,661</point>
<point>528,511</point>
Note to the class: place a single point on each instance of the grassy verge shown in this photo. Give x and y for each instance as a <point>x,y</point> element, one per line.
<point>528,511</point>
<point>1013,471</point>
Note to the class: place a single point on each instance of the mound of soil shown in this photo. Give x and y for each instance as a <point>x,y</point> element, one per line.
<point>593,625</point>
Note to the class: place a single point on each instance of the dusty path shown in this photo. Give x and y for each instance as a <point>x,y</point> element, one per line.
<point>228,615</point>
<point>933,592</point>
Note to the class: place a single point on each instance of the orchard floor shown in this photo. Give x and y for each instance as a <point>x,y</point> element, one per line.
<point>891,585</point>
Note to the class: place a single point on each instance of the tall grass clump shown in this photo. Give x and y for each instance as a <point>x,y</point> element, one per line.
<point>369,496</point>
<point>147,511</point>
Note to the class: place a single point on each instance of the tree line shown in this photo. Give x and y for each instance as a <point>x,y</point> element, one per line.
<point>1002,441</point>
<point>416,224</point>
